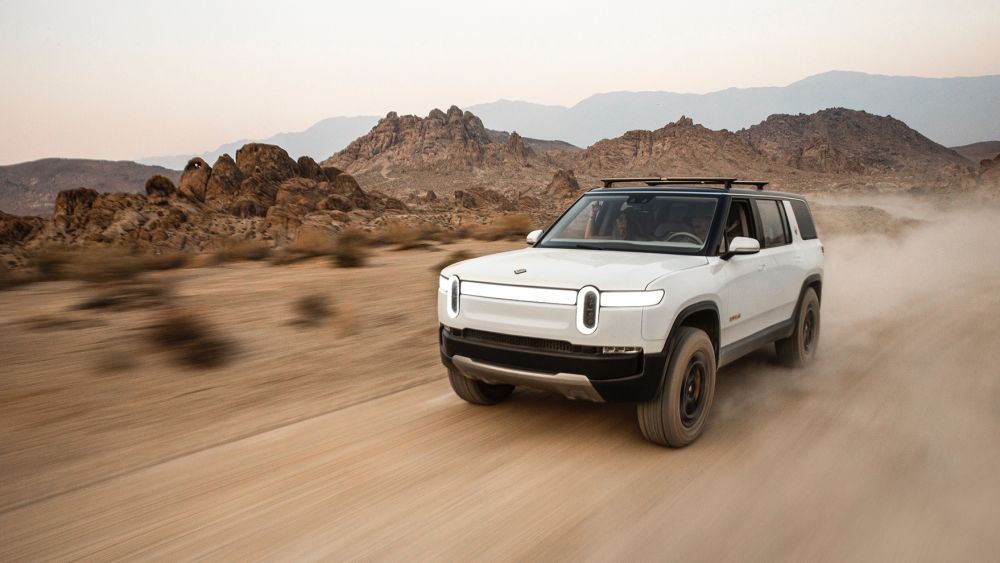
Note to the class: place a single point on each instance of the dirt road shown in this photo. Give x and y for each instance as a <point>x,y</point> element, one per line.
<point>887,448</point>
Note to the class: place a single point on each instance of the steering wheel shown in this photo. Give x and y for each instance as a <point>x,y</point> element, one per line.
<point>685,235</point>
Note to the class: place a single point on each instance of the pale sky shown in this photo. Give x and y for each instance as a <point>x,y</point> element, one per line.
<point>128,79</point>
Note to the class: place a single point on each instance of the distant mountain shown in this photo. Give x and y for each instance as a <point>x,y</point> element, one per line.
<point>976,152</point>
<point>951,111</point>
<point>30,188</point>
<point>839,140</point>
<point>319,141</point>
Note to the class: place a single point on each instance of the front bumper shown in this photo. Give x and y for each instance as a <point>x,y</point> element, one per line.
<point>577,372</point>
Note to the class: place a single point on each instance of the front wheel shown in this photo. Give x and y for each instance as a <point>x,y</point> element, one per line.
<point>477,392</point>
<point>676,417</point>
<point>800,348</point>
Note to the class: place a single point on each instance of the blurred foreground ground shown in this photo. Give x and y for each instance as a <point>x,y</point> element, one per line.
<point>337,436</point>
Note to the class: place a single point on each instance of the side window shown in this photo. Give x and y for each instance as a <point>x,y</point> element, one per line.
<point>773,225</point>
<point>739,223</point>
<point>807,229</point>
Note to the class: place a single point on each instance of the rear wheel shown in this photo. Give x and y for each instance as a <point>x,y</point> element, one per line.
<point>676,417</point>
<point>800,348</point>
<point>478,392</point>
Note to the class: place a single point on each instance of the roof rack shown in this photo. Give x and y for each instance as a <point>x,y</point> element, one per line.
<point>673,181</point>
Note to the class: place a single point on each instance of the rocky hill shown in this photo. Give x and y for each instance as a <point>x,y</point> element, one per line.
<point>30,188</point>
<point>679,148</point>
<point>843,141</point>
<point>444,152</point>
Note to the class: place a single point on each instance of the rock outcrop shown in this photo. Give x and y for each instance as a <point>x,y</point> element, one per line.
<point>262,194</point>
<point>563,185</point>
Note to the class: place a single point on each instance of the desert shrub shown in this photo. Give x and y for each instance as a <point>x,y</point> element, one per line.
<point>124,297</point>
<point>506,227</point>
<point>454,256</point>
<point>312,309</point>
<point>167,260</point>
<point>98,264</point>
<point>190,339</point>
<point>232,250</point>
<point>312,242</point>
<point>352,249</point>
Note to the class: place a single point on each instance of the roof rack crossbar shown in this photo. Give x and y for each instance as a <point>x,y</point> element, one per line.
<point>674,181</point>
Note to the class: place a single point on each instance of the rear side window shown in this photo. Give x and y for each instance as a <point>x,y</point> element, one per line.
<point>773,226</point>
<point>804,218</point>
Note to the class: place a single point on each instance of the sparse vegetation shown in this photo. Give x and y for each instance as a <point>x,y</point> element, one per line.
<point>312,309</point>
<point>405,236</point>
<point>190,339</point>
<point>352,249</point>
<point>99,264</point>
<point>509,227</point>
<point>312,242</point>
<point>232,250</point>
<point>129,296</point>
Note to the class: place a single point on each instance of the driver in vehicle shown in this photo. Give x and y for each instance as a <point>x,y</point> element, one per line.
<point>696,225</point>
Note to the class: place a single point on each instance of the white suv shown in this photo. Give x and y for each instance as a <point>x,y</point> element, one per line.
<point>637,293</point>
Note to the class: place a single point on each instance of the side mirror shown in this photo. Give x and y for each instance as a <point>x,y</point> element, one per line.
<point>742,245</point>
<point>533,237</point>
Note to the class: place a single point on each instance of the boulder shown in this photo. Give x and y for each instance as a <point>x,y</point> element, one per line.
<point>268,161</point>
<point>224,183</point>
<point>194,180</point>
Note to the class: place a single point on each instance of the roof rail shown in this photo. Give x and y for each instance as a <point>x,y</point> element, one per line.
<point>672,181</point>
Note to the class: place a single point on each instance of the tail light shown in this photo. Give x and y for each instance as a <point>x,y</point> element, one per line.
<point>588,308</point>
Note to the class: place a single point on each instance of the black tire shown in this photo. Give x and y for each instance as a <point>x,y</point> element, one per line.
<point>800,348</point>
<point>676,417</point>
<point>478,392</point>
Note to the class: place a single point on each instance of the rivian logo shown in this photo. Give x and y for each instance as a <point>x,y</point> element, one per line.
<point>520,270</point>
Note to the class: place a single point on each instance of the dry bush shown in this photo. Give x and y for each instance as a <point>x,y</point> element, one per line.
<point>232,250</point>
<point>454,256</point>
<point>190,339</point>
<point>125,297</point>
<point>506,227</point>
<point>352,249</point>
<point>312,242</point>
<point>312,309</point>
<point>99,264</point>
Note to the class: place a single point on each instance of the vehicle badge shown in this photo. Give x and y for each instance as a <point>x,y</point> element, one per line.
<point>520,270</point>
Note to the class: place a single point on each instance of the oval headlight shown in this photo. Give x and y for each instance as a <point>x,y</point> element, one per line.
<point>588,309</point>
<point>454,296</point>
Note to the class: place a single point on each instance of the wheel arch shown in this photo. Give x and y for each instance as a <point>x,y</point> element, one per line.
<point>703,315</point>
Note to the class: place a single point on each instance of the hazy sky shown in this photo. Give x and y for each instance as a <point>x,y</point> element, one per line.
<point>128,79</point>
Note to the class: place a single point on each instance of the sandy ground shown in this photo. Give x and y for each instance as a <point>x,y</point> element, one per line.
<point>344,441</point>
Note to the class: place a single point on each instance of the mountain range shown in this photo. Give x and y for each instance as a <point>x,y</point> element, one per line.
<point>951,111</point>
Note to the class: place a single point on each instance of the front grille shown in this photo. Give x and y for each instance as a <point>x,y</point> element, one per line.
<point>528,342</point>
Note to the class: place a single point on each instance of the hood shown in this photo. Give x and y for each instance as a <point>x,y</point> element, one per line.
<point>607,270</point>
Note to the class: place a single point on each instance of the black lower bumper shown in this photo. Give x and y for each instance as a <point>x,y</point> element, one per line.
<point>616,377</point>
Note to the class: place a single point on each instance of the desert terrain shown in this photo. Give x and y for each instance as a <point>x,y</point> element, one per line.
<point>324,426</point>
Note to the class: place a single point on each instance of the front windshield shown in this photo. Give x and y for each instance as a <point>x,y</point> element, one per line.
<point>646,222</point>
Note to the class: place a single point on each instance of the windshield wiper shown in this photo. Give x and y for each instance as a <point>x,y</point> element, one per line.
<point>589,247</point>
